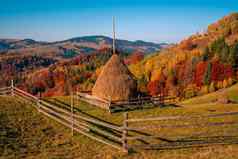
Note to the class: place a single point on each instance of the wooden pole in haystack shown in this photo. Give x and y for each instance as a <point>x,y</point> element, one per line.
<point>114,36</point>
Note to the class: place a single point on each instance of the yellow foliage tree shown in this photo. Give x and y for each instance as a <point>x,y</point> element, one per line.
<point>155,75</point>
<point>230,81</point>
<point>212,87</point>
<point>148,67</point>
<point>204,90</point>
<point>98,71</point>
<point>219,85</point>
<point>225,83</point>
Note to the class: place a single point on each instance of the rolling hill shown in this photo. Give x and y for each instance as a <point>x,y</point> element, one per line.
<point>86,44</point>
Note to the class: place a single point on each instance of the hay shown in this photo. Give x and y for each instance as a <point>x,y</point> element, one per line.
<point>115,81</point>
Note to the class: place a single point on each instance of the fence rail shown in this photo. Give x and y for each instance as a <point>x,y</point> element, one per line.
<point>5,90</point>
<point>181,117</point>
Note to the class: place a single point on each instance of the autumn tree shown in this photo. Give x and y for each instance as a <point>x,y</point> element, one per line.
<point>199,73</point>
<point>142,84</point>
<point>38,87</point>
<point>153,88</point>
<point>49,79</point>
<point>68,83</point>
<point>156,87</point>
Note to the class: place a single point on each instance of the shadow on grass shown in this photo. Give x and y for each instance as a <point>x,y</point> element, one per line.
<point>190,143</point>
<point>67,106</point>
<point>131,108</point>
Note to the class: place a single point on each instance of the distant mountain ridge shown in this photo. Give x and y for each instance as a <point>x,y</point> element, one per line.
<point>84,44</point>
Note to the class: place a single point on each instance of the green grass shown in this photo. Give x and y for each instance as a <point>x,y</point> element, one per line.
<point>25,133</point>
<point>180,110</point>
<point>232,93</point>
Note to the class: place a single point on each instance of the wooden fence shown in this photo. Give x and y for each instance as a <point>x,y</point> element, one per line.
<point>93,128</point>
<point>125,136</point>
<point>124,105</point>
<point>156,124</point>
<point>5,91</point>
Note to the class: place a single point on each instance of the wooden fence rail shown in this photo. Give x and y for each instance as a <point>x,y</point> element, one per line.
<point>181,117</point>
<point>180,126</point>
<point>5,90</point>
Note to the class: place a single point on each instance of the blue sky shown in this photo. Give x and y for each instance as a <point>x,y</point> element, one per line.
<point>150,20</point>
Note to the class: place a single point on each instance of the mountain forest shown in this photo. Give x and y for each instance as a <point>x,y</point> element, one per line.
<point>200,64</point>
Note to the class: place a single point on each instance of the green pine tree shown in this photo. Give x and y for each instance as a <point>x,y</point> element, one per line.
<point>206,54</point>
<point>220,48</point>
<point>233,56</point>
<point>207,75</point>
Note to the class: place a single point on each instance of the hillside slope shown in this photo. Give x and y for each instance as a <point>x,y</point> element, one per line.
<point>202,63</point>
<point>25,133</point>
<point>231,92</point>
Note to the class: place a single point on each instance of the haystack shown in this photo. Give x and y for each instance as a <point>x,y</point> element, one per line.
<point>115,81</point>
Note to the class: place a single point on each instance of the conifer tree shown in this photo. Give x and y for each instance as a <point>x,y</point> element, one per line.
<point>207,75</point>
<point>233,56</point>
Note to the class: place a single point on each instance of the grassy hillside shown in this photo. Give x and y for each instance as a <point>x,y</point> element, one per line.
<point>231,92</point>
<point>25,133</point>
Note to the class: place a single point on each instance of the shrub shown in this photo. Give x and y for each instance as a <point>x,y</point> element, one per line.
<point>204,90</point>
<point>189,93</point>
<point>219,85</point>
<point>212,87</point>
<point>230,81</point>
<point>225,83</point>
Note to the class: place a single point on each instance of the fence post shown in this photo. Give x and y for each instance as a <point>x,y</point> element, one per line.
<point>12,88</point>
<point>162,97</point>
<point>77,98</point>
<point>109,104</point>
<point>124,133</point>
<point>38,104</point>
<point>72,112</point>
<point>139,99</point>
